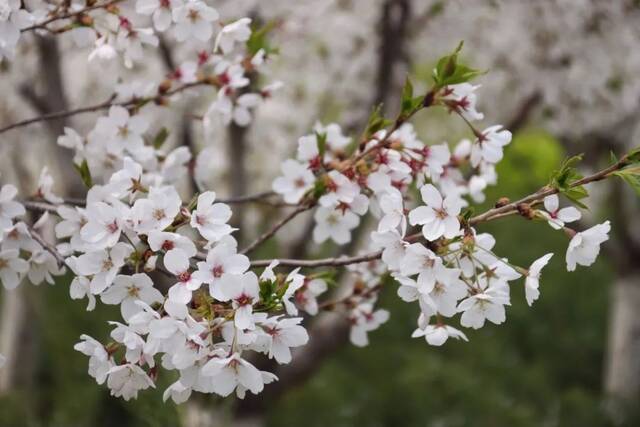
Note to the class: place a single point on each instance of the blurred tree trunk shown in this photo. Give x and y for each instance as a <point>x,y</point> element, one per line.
<point>622,366</point>
<point>18,339</point>
<point>622,379</point>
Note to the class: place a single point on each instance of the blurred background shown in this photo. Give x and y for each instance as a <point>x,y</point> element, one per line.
<point>564,77</point>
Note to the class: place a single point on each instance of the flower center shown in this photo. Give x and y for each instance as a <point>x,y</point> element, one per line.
<point>244,299</point>
<point>217,271</point>
<point>185,276</point>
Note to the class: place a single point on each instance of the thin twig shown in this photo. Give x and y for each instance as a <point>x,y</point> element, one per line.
<point>277,226</point>
<point>489,215</point>
<point>323,262</point>
<point>59,258</point>
<point>43,24</point>
<point>102,106</point>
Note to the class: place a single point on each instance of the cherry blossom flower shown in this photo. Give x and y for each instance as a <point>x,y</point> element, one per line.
<point>236,32</point>
<point>157,211</point>
<point>231,372</point>
<point>126,290</point>
<point>281,335</point>
<point>222,259</point>
<point>297,179</point>
<point>392,206</point>
<point>43,266</point>
<point>45,187</point>
<point>438,334</point>
<point>294,282</point>
<point>161,11</point>
<point>440,215</point>
<point>9,208</point>
<point>210,219</point>
<point>103,265</point>
<point>393,248</point>
<point>194,19</point>
<point>243,291</point>
<point>340,190</point>
<point>488,304</point>
<point>307,296</point>
<point>125,130</point>
<point>19,237</point>
<point>99,361</point>
<point>462,98</point>
<point>532,280</point>
<point>365,319</point>
<point>127,182</point>
<point>238,109</point>
<point>557,217</point>
<point>12,268</point>
<point>103,226</point>
<point>177,263</point>
<point>165,241</point>
<point>126,380</point>
<point>584,247</point>
<point>488,146</point>
<point>334,224</point>
<point>73,219</point>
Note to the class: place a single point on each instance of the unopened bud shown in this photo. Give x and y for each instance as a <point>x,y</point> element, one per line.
<point>86,20</point>
<point>525,210</point>
<point>396,144</point>
<point>502,201</point>
<point>164,86</point>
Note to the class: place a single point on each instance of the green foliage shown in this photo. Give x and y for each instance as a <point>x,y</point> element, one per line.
<point>375,123</point>
<point>160,138</point>
<point>564,180</point>
<point>259,39</point>
<point>631,175</point>
<point>542,367</point>
<point>409,104</point>
<point>321,140</point>
<point>449,71</point>
<point>85,173</point>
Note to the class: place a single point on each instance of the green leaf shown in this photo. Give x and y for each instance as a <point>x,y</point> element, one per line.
<point>258,39</point>
<point>267,289</point>
<point>319,188</point>
<point>409,104</point>
<point>85,173</point>
<point>631,175</point>
<point>376,122</point>
<point>634,155</point>
<point>321,140</point>
<point>449,71</point>
<point>575,194</point>
<point>160,138</point>
<point>467,214</point>
<point>564,178</point>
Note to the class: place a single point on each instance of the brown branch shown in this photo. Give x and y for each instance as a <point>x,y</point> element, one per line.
<point>49,248</point>
<point>134,102</point>
<point>489,215</point>
<point>323,262</point>
<point>547,191</point>
<point>277,226</point>
<point>43,25</point>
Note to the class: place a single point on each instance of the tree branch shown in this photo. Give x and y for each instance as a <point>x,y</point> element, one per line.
<point>134,102</point>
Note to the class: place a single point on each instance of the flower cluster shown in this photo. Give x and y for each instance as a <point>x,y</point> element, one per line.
<point>190,300</point>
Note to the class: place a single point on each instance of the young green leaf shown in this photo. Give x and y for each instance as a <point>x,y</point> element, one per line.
<point>85,173</point>
<point>160,138</point>
<point>376,122</point>
<point>449,71</point>
<point>631,175</point>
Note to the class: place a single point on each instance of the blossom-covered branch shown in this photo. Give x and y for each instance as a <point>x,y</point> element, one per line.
<point>219,309</point>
